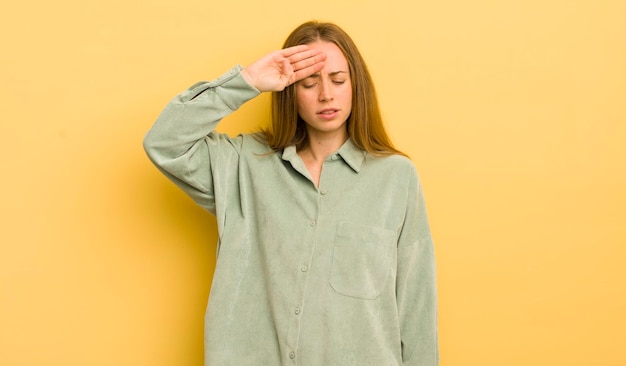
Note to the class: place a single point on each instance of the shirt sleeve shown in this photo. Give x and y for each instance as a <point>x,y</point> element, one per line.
<point>182,142</point>
<point>416,284</point>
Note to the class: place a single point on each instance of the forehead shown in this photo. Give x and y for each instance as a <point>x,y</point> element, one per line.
<point>335,60</point>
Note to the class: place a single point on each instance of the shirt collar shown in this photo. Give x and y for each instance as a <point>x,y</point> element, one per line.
<point>349,153</point>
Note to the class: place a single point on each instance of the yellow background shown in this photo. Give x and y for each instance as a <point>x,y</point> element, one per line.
<point>514,113</point>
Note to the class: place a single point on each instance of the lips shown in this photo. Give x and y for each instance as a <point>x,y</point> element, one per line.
<point>328,114</point>
<point>328,111</point>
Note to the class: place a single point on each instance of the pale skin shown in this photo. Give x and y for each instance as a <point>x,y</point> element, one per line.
<point>279,69</point>
<point>323,92</point>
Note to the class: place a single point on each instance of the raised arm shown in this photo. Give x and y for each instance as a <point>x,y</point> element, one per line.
<point>182,142</point>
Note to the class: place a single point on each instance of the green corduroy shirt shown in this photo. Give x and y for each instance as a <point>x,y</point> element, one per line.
<point>338,274</point>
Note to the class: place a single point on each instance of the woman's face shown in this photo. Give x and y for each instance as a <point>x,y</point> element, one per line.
<point>325,98</point>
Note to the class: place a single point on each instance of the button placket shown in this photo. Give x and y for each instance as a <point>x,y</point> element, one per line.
<point>296,312</point>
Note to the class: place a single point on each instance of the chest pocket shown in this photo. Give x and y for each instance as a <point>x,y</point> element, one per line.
<point>362,260</point>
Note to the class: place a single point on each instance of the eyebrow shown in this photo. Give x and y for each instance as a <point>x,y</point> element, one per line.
<point>334,73</point>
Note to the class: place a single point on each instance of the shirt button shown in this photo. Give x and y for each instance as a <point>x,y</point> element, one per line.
<point>292,355</point>
<point>304,268</point>
<point>297,311</point>
<point>312,223</point>
<point>334,157</point>
<point>323,191</point>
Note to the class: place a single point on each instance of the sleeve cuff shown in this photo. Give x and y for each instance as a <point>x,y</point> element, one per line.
<point>231,87</point>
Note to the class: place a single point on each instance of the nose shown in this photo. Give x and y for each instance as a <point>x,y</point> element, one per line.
<point>325,94</point>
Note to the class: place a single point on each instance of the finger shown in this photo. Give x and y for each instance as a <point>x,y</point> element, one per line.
<point>307,71</point>
<point>308,61</point>
<point>305,54</point>
<point>290,51</point>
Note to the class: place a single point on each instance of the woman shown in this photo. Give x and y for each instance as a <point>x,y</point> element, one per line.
<point>325,255</point>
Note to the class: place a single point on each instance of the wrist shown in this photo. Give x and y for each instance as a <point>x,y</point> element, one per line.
<point>246,76</point>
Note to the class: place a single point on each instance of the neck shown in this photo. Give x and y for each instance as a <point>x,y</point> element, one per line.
<point>320,146</point>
